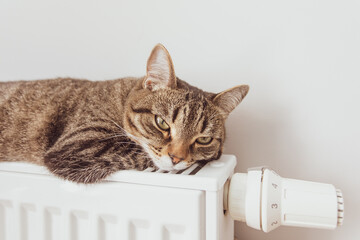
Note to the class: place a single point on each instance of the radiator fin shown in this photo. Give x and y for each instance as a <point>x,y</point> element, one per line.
<point>5,206</point>
<point>79,221</point>
<point>52,223</point>
<point>28,221</point>
<point>108,229</point>
<point>139,229</point>
<point>174,232</point>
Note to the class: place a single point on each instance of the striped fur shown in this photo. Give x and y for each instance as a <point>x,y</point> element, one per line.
<point>83,130</point>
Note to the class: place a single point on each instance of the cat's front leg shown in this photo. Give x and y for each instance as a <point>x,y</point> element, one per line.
<point>81,168</point>
<point>91,160</point>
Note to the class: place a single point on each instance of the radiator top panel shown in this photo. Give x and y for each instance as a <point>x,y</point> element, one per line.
<point>209,176</point>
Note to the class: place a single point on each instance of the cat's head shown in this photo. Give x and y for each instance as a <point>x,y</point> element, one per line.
<point>175,123</point>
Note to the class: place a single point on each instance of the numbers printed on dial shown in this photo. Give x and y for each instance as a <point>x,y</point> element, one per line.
<point>274,223</point>
<point>274,206</point>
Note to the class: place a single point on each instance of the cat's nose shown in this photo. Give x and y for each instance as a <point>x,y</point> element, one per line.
<point>175,159</point>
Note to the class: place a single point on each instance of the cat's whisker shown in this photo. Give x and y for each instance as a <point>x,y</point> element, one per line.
<point>127,144</point>
<point>126,133</point>
<point>118,126</point>
<point>140,153</point>
<point>115,136</point>
<point>119,135</point>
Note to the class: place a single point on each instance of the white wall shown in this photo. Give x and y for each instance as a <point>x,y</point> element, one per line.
<point>301,59</point>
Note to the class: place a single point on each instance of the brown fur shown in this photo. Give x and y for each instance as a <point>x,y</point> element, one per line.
<point>83,130</point>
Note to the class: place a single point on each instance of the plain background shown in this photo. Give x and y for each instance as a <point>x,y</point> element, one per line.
<point>300,58</point>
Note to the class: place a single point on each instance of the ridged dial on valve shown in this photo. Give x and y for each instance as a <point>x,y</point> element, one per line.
<point>340,204</point>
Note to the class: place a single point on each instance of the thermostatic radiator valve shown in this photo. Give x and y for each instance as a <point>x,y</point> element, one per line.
<point>264,200</point>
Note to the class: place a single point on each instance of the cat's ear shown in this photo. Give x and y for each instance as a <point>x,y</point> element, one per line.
<point>160,70</point>
<point>229,99</point>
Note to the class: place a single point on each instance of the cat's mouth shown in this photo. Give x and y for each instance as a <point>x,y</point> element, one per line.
<point>164,162</point>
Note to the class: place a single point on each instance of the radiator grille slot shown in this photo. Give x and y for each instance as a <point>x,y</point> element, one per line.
<point>192,170</point>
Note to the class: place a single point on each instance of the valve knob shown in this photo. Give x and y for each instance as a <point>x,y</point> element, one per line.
<point>264,200</point>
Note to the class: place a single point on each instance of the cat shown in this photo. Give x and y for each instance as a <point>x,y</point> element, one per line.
<point>83,131</point>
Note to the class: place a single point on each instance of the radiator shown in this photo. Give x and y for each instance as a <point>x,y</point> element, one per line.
<point>137,205</point>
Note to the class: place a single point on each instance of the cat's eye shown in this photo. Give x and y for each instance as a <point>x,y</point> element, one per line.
<point>161,123</point>
<point>204,140</point>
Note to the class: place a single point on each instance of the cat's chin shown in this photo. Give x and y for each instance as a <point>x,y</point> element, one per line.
<point>165,163</point>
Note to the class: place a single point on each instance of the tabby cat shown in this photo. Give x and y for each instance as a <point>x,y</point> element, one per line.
<point>83,130</point>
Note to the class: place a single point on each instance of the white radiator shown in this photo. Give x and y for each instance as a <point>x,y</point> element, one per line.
<point>135,205</point>
<point>129,205</point>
